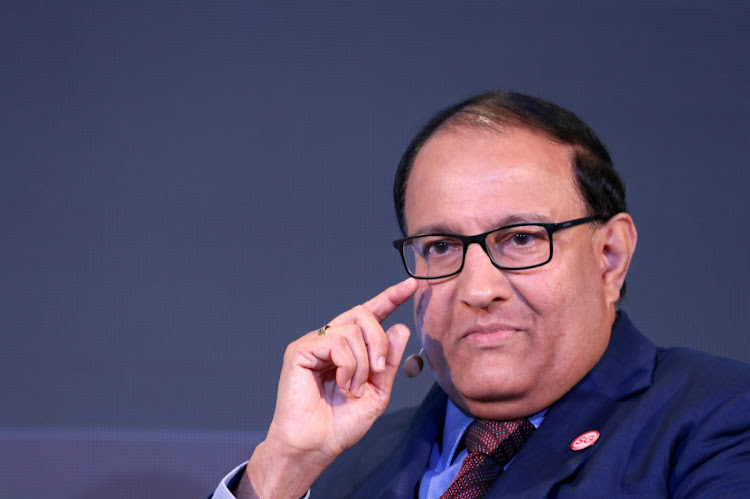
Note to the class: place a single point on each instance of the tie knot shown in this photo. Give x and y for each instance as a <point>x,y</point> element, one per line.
<point>500,440</point>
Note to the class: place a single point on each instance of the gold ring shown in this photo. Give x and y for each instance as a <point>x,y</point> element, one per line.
<point>322,331</point>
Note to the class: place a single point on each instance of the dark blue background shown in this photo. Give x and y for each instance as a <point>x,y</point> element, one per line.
<point>188,186</point>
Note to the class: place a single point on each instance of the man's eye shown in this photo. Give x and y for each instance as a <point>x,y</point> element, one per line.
<point>522,239</point>
<point>526,239</point>
<point>440,247</point>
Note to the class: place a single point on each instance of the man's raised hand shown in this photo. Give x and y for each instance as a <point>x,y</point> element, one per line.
<point>333,386</point>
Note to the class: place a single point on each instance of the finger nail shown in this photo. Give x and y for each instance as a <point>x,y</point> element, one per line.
<point>380,363</point>
<point>361,391</point>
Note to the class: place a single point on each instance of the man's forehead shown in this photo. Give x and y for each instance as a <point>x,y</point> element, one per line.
<point>525,143</point>
<point>472,155</point>
<point>524,175</point>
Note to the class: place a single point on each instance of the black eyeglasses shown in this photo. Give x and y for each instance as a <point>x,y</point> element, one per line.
<point>512,247</point>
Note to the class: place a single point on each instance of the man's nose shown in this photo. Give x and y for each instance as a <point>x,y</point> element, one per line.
<point>480,282</point>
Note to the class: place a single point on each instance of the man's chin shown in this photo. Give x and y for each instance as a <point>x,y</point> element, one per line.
<point>492,402</point>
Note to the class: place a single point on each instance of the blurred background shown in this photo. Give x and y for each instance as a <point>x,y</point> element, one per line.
<point>188,186</point>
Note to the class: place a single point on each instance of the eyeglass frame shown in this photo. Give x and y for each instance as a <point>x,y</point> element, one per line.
<point>481,240</point>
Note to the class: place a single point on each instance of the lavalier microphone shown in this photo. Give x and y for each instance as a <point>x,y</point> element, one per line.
<point>413,365</point>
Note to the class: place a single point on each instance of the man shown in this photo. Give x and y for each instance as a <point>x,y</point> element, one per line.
<point>522,327</point>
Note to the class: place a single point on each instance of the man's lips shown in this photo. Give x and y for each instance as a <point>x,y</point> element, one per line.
<point>490,335</point>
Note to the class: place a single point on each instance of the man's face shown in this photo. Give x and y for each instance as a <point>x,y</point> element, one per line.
<point>506,344</point>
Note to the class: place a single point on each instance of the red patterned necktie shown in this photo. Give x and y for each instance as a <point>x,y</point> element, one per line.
<point>491,445</point>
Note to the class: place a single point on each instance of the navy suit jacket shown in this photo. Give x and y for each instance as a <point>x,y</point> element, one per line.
<point>672,423</point>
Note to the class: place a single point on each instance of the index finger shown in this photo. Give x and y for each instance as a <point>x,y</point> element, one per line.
<point>389,300</point>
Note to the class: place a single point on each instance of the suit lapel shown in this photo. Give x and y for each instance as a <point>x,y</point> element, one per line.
<point>547,458</point>
<point>401,473</point>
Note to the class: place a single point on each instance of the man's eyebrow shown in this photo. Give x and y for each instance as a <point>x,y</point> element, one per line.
<point>516,218</point>
<point>520,218</point>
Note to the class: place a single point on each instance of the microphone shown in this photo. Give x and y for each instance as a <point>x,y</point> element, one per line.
<point>413,365</point>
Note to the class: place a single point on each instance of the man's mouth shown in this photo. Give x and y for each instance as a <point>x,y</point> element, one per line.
<point>490,335</point>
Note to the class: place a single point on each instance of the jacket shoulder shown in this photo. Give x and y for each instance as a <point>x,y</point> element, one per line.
<point>700,370</point>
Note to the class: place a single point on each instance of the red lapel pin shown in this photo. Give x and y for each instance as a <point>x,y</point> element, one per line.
<point>585,440</point>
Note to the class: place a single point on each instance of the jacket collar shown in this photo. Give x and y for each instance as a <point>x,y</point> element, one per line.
<point>627,365</point>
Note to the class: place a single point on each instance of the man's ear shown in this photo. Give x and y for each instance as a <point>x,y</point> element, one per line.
<point>618,238</point>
